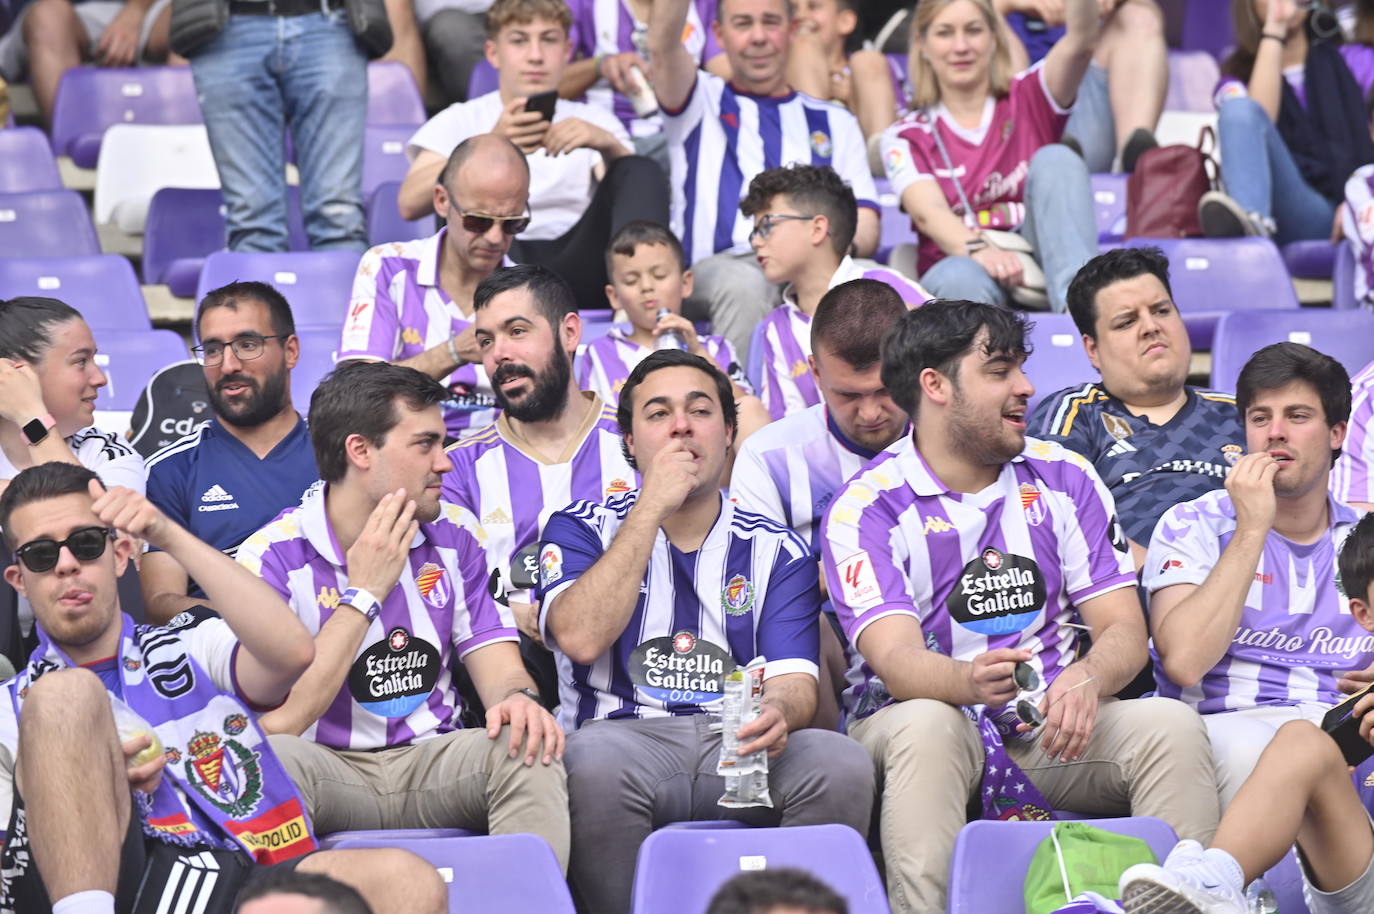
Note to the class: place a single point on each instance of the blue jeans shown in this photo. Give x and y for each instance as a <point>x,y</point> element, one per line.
<point>261,74</point>
<point>1059,225</point>
<point>1260,174</point>
<point>1092,123</point>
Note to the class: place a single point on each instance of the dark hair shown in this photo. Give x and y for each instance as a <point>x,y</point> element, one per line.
<point>551,294</point>
<point>359,398</point>
<point>787,4</point>
<point>236,293</point>
<point>1280,364</point>
<point>643,232</point>
<point>853,318</point>
<point>26,323</point>
<point>40,483</point>
<point>1355,564</point>
<point>813,189</point>
<point>1104,270</point>
<point>338,897</point>
<point>937,335</point>
<point>761,891</point>
<point>669,358</point>
<point>470,147</point>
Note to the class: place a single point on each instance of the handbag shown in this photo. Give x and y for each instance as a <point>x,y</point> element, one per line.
<point>1162,193</point>
<point>367,19</point>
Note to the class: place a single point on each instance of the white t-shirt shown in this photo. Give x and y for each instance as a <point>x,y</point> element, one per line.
<point>560,186</point>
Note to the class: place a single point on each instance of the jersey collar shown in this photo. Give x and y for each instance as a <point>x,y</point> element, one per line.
<point>852,446</point>
<point>317,531</point>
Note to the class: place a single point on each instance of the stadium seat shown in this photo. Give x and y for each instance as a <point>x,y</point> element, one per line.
<point>1315,259</point>
<point>483,79</point>
<point>384,156</point>
<point>1109,206</point>
<point>129,359</point>
<point>894,225</point>
<point>392,98</point>
<point>318,284</point>
<point>138,160</point>
<point>596,323</point>
<point>92,99</point>
<point>988,870</point>
<point>1346,336</point>
<point>1343,276</point>
<point>26,161</point>
<point>384,222</point>
<point>400,834</point>
<point>1193,77</point>
<point>46,223</point>
<point>1211,276</point>
<point>1057,359</point>
<point>102,287</point>
<point>318,347</point>
<point>486,874</point>
<point>1207,27</point>
<point>679,869</point>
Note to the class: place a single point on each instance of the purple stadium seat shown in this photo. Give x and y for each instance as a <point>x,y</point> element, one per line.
<point>102,287</point>
<point>486,874</point>
<point>708,824</point>
<point>1343,277</point>
<point>1313,259</point>
<point>483,79</point>
<point>1057,358</point>
<point>596,323</point>
<point>384,222</point>
<point>1346,336</point>
<point>318,345</point>
<point>894,226</point>
<point>1211,276</point>
<point>392,99</point>
<point>1207,27</point>
<point>679,869</point>
<point>46,223</point>
<point>90,99</point>
<point>129,358</point>
<point>988,870</point>
<point>399,834</point>
<point>26,161</point>
<point>318,284</point>
<point>1109,206</point>
<point>1193,77</point>
<point>384,156</point>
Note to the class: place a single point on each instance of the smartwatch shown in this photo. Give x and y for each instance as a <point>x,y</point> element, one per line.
<point>363,601</point>
<point>35,430</point>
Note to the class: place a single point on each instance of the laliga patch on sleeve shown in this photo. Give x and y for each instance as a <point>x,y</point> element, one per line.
<point>858,584</point>
<point>551,564</point>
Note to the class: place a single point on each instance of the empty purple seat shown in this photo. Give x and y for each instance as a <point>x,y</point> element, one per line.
<point>318,284</point>
<point>102,287</point>
<point>129,359</point>
<point>402,834</point>
<point>384,156</point>
<point>483,79</point>
<point>392,97</point>
<point>1346,336</point>
<point>1193,77</point>
<point>46,223</point>
<point>384,220</point>
<point>988,870</point>
<point>90,99</point>
<point>1057,359</point>
<point>1343,276</point>
<point>26,161</point>
<point>486,874</point>
<point>1313,259</point>
<point>1211,276</point>
<point>679,869</point>
<point>1109,206</point>
<point>894,226</point>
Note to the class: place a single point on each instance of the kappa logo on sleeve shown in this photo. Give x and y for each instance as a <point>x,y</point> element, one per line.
<point>858,583</point>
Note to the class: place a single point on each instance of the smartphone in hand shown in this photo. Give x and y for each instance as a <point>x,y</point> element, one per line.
<point>1343,726</point>
<point>544,103</point>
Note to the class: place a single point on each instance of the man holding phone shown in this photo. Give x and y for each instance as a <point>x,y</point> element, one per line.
<point>584,180</point>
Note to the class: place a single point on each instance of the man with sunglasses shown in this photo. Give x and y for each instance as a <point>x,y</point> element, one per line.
<point>412,300</point>
<point>130,753</point>
<point>238,469</point>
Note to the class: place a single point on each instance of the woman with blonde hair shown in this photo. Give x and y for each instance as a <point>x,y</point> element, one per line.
<point>977,164</point>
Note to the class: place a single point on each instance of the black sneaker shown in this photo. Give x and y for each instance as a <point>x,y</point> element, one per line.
<point>1139,141</point>
<point>1222,217</point>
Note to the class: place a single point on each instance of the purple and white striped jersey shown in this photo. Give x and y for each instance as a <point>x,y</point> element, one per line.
<point>788,385</point>
<point>722,138</point>
<point>399,310</point>
<point>750,590</point>
<point>400,686</point>
<point>790,469</point>
<point>1352,478</point>
<point>604,365</point>
<point>1357,221</point>
<point>1004,567</point>
<point>513,491</point>
<point>1296,632</point>
<point>610,27</point>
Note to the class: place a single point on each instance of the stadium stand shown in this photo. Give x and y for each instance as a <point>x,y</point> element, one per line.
<point>317,283</point>
<point>26,161</point>
<point>46,223</point>
<point>138,160</point>
<point>90,100</point>
<point>102,287</point>
<point>1346,336</point>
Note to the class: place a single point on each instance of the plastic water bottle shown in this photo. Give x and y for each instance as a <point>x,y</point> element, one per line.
<point>641,94</point>
<point>672,339</point>
<point>1259,900</point>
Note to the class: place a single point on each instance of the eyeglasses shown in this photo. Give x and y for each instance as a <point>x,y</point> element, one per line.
<point>246,348</point>
<point>86,544</point>
<point>481,223</point>
<point>768,221</point>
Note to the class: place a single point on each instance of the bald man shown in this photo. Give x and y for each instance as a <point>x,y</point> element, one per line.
<point>412,300</point>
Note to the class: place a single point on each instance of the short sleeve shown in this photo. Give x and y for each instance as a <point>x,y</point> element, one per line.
<point>1095,555</point>
<point>570,545</point>
<point>257,554</point>
<point>483,620</point>
<point>372,327</point>
<point>1183,550</point>
<point>124,470</point>
<point>210,641</point>
<point>442,133</point>
<point>861,560</point>
<point>722,352</point>
<point>898,162</point>
<point>1352,478</point>
<point>789,622</point>
<point>752,486</point>
<point>677,124</point>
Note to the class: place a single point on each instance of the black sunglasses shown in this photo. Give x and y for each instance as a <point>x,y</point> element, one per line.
<point>480,224</point>
<point>86,544</point>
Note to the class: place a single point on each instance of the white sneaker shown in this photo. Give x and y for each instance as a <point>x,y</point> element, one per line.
<point>1222,217</point>
<point>1188,883</point>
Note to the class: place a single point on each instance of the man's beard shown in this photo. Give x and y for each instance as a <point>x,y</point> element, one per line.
<point>548,393</point>
<point>262,404</point>
<point>982,444</point>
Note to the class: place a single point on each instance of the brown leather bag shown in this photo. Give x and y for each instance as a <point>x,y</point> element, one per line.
<point>1162,193</point>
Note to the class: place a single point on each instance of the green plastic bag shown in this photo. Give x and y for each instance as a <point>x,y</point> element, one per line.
<point>1078,857</point>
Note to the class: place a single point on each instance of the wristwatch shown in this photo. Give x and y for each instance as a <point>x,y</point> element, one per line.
<point>363,601</point>
<point>36,429</point>
<point>531,694</point>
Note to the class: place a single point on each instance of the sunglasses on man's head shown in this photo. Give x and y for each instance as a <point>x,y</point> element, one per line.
<point>86,544</point>
<point>481,223</point>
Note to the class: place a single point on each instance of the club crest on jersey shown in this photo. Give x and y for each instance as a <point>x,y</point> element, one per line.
<point>1116,426</point>
<point>1169,564</point>
<point>132,664</point>
<point>617,486</point>
<point>992,559</point>
<point>820,143</point>
<point>224,772</point>
<point>433,585</point>
<point>1032,504</point>
<point>235,724</point>
<point>737,597</point>
<point>1231,452</point>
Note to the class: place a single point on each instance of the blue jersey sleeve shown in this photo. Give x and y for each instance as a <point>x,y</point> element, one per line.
<point>789,622</point>
<point>570,545</point>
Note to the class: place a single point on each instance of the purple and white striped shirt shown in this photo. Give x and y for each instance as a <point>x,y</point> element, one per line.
<point>399,310</point>
<point>787,384</point>
<point>400,687</point>
<point>1352,478</point>
<point>604,365</point>
<point>1296,632</point>
<point>1004,567</point>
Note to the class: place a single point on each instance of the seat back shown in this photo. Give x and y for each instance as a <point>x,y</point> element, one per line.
<point>183,224</point>
<point>1346,336</point>
<point>318,284</point>
<point>46,223</point>
<point>319,346</point>
<point>129,359</point>
<point>483,79</point>
<point>988,869</point>
<point>1193,77</point>
<point>92,99</point>
<point>174,401</point>
<point>1311,259</point>
<point>392,97</point>
<point>384,220</point>
<point>384,156</point>
<point>26,161</point>
<point>679,869</point>
<point>894,225</point>
<point>102,287</point>
<point>138,160</point>
<point>1109,206</point>
<point>1057,358</point>
<point>1343,292</point>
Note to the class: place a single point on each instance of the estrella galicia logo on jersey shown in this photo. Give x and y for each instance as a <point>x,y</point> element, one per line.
<point>1032,504</point>
<point>433,585</point>
<point>224,772</point>
<point>997,593</point>
<point>1117,534</point>
<point>681,669</point>
<point>1231,453</point>
<point>737,596</point>
<point>395,675</point>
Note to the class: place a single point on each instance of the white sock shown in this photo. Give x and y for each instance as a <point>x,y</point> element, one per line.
<point>92,902</point>
<point>1218,861</point>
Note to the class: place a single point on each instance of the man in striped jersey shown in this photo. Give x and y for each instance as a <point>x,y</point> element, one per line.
<point>721,134</point>
<point>649,601</point>
<point>963,552</point>
<point>392,582</point>
<point>1249,624</point>
<point>1352,478</point>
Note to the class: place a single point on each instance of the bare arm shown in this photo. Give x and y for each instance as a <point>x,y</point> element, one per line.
<point>789,703</point>
<point>1068,60</point>
<point>895,647</point>
<point>416,197</point>
<point>674,70</point>
<point>578,77</point>
<point>866,233</point>
<point>929,210</point>
<point>1266,76</point>
<point>875,102</point>
<point>499,675</point>
<point>164,584</point>
<point>437,361</point>
<point>21,400</point>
